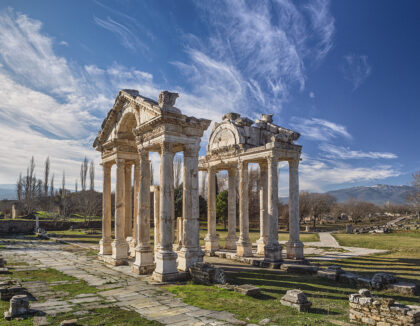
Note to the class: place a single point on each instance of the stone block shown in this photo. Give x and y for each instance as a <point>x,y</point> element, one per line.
<point>296,299</point>
<point>206,273</point>
<point>19,306</point>
<point>300,269</point>
<point>404,288</point>
<point>247,289</point>
<point>9,289</point>
<point>363,282</point>
<point>382,280</point>
<point>328,274</point>
<point>348,278</point>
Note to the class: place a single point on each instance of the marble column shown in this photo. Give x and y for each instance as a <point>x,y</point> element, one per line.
<point>136,197</point>
<point>231,237</point>
<point>156,219</point>
<point>272,251</point>
<point>294,247</point>
<point>264,224</point>
<point>105,243</point>
<point>211,239</point>
<point>144,253</point>
<point>243,246</point>
<point>191,252</point>
<point>166,269</point>
<point>128,226</point>
<point>119,245</point>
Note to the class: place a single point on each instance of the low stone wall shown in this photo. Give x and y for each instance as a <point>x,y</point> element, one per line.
<point>8,227</point>
<point>206,273</point>
<point>381,311</point>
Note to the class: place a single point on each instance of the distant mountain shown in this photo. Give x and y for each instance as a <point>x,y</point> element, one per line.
<point>7,191</point>
<point>377,194</point>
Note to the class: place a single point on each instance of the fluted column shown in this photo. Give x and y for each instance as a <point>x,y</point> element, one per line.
<point>156,216</point>
<point>294,247</point>
<point>264,224</point>
<point>243,246</point>
<point>119,245</point>
<point>144,254</point>
<point>105,243</point>
<point>165,258</point>
<point>128,225</point>
<point>191,252</point>
<point>211,239</point>
<point>231,237</point>
<point>272,251</point>
<point>136,197</point>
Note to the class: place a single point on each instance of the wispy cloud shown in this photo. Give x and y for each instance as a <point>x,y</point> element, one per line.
<point>319,129</point>
<point>124,34</point>
<point>341,152</point>
<point>356,69</point>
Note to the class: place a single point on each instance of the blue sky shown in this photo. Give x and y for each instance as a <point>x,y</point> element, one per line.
<point>345,74</point>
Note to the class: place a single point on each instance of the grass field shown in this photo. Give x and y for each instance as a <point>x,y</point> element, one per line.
<point>330,299</point>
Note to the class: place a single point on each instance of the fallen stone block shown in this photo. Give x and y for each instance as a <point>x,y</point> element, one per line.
<point>9,289</point>
<point>247,289</point>
<point>19,306</point>
<point>296,299</point>
<point>404,288</point>
<point>300,269</point>
<point>382,280</point>
<point>328,274</point>
<point>363,282</point>
<point>348,278</point>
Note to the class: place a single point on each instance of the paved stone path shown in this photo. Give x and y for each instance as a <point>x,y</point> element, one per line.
<point>326,240</point>
<point>120,286</point>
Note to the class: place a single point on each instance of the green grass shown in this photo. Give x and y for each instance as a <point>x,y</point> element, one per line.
<point>47,275</point>
<point>78,236</point>
<point>74,288</point>
<point>107,317</point>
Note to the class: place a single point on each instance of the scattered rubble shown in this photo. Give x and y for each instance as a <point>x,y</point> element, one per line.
<point>11,288</point>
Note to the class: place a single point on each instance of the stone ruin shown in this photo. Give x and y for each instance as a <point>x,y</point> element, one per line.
<point>10,288</point>
<point>381,311</point>
<point>19,306</point>
<point>296,299</point>
<point>137,125</point>
<point>205,273</point>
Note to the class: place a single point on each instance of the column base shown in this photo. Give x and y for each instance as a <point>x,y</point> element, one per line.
<point>294,250</point>
<point>107,259</point>
<point>261,243</point>
<point>244,248</point>
<point>211,243</point>
<point>272,253</point>
<point>165,262</point>
<point>188,257</point>
<point>230,242</point>
<point>119,251</point>
<point>131,246</point>
<point>105,247</point>
<point>143,263</point>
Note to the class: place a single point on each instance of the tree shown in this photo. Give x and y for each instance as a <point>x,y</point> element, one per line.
<point>178,192</point>
<point>75,186</point>
<point>222,207</point>
<point>46,176</point>
<point>52,186</point>
<point>19,187</point>
<point>83,173</point>
<point>29,188</point>
<point>92,176</point>
<point>177,172</point>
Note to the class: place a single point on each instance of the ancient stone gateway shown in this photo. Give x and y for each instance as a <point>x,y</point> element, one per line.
<point>135,126</point>
<point>233,144</point>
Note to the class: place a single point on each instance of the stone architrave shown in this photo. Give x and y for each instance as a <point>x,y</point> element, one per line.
<point>272,251</point>
<point>119,245</point>
<point>190,252</point>
<point>105,243</point>
<point>211,239</point>
<point>165,258</point>
<point>264,223</point>
<point>143,263</point>
<point>243,245</point>
<point>294,247</point>
<point>231,237</point>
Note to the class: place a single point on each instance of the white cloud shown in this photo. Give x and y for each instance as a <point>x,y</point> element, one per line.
<point>311,94</point>
<point>64,43</point>
<point>319,129</point>
<point>346,153</point>
<point>356,69</point>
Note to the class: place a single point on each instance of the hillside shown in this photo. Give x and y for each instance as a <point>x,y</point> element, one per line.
<point>377,194</point>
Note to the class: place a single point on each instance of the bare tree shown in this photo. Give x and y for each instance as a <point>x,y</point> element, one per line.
<point>29,187</point>
<point>75,186</point>
<point>19,187</point>
<point>177,172</point>
<point>63,185</point>
<point>92,176</point>
<point>46,176</point>
<point>52,186</point>
<point>83,173</point>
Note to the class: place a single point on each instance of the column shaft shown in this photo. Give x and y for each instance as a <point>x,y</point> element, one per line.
<point>231,237</point>
<point>144,253</point>
<point>136,197</point>
<point>243,246</point>
<point>211,239</point>
<point>156,216</point>
<point>272,251</point>
<point>264,223</point>
<point>294,246</point>
<point>128,227</point>
<point>105,243</point>
<point>165,258</point>
<point>190,252</point>
<point>119,245</point>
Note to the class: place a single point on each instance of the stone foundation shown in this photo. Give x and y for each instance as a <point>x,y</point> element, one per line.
<point>381,311</point>
<point>296,299</point>
<point>205,273</point>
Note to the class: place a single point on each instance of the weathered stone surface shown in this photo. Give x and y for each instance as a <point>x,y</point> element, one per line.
<point>206,273</point>
<point>382,280</point>
<point>298,268</point>
<point>247,289</point>
<point>296,299</point>
<point>8,289</point>
<point>19,306</point>
<point>404,288</point>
